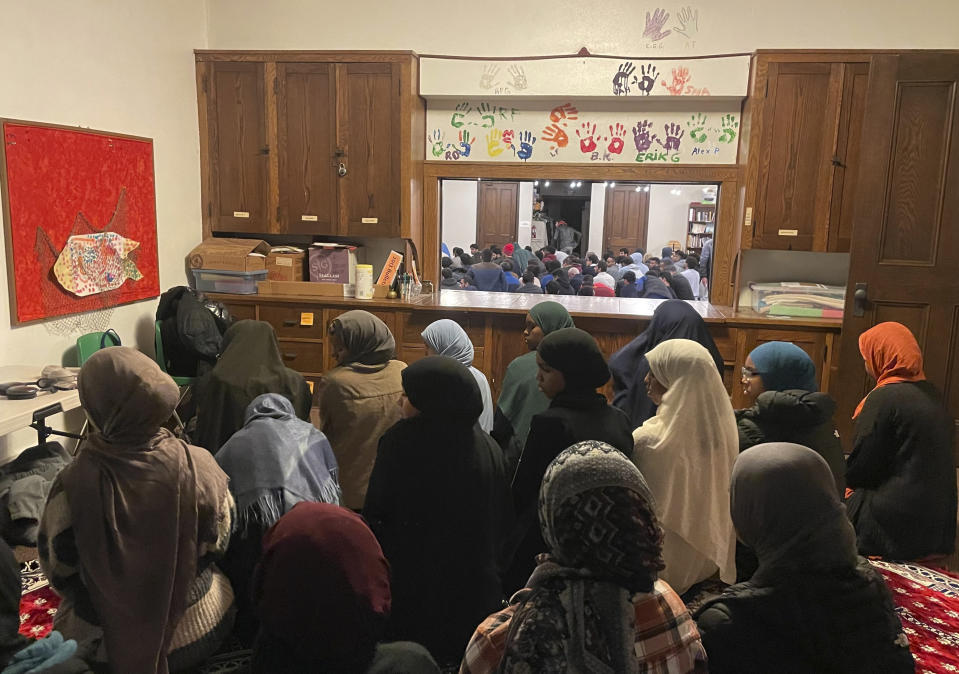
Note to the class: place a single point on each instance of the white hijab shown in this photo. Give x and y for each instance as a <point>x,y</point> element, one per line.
<point>446,338</point>
<point>687,451</point>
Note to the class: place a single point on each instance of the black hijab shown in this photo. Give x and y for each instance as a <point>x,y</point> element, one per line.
<point>576,354</point>
<point>673,319</point>
<point>443,389</point>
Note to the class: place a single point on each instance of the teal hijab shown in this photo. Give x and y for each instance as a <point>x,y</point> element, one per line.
<point>783,366</point>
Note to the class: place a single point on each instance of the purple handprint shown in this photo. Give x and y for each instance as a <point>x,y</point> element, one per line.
<point>654,25</point>
<point>642,137</point>
<point>526,140</point>
<point>673,135</point>
<point>621,78</point>
<point>648,80</point>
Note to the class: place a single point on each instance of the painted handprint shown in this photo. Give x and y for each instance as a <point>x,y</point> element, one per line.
<point>466,143</point>
<point>681,77</point>
<point>508,138</point>
<point>488,78</point>
<point>642,137</point>
<point>494,143</point>
<point>674,134</point>
<point>519,77</point>
<point>526,140</point>
<point>554,134</point>
<point>654,25</point>
<point>729,129</point>
<point>561,112</point>
<point>648,80</point>
<point>463,109</point>
<point>586,132</point>
<point>697,128</point>
<point>621,78</point>
<point>487,113</point>
<point>437,142</point>
<point>688,22</point>
<point>616,135</point>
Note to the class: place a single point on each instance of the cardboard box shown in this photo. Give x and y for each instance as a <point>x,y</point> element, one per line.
<point>285,263</point>
<point>310,289</point>
<point>230,254</point>
<point>334,263</point>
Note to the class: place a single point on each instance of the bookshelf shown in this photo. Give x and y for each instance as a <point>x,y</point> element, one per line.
<point>702,221</point>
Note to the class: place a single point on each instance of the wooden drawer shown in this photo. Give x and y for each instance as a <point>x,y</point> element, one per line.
<point>302,356</point>
<point>413,323</point>
<point>241,312</point>
<point>286,320</point>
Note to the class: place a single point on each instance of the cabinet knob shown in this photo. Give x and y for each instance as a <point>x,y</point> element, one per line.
<point>289,356</point>
<point>341,170</point>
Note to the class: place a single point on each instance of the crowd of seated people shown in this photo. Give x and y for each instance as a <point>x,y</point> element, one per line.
<point>556,272</point>
<point>425,527</point>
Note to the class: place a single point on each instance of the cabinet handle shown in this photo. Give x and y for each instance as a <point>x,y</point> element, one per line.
<point>290,323</point>
<point>289,356</point>
<point>341,170</point>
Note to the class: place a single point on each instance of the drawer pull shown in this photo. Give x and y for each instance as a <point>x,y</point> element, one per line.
<point>290,323</point>
<point>289,356</point>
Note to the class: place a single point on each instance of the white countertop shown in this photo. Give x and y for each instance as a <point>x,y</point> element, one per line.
<point>17,414</point>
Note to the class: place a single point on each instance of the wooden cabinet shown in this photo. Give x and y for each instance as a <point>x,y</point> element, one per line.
<point>804,149</point>
<point>314,143</point>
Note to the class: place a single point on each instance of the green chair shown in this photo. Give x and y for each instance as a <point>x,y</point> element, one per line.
<point>90,343</point>
<point>161,358</point>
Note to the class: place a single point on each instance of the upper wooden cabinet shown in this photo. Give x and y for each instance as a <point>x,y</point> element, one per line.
<point>804,145</point>
<point>316,143</point>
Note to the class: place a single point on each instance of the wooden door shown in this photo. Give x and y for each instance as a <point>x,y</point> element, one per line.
<point>306,120</point>
<point>855,77</point>
<point>368,131</point>
<point>800,115</point>
<point>497,213</point>
<point>626,218</point>
<point>239,149</point>
<point>906,229</point>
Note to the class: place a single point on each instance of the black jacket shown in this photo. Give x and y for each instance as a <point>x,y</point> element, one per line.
<point>680,286</point>
<point>799,417</point>
<point>528,288</point>
<point>569,419</point>
<point>813,622</point>
<point>903,472</point>
<point>192,335</point>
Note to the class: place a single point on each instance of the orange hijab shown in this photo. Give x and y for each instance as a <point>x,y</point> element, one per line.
<point>892,355</point>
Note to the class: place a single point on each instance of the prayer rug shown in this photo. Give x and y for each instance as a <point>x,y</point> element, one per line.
<point>38,603</point>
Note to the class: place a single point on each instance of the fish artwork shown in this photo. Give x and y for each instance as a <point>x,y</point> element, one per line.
<point>96,263</point>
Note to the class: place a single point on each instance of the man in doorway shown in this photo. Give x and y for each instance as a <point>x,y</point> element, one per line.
<point>567,238</point>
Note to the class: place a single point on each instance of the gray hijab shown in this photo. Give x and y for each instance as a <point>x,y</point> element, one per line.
<point>367,339</point>
<point>784,505</point>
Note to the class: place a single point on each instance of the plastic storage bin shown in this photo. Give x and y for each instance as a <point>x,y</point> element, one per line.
<point>233,282</point>
<point>798,299</point>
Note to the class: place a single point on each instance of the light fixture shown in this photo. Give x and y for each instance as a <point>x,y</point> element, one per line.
<point>612,184</point>
<point>639,187</point>
<point>605,183</point>
<point>535,183</point>
<point>546,184</point>
<point>647,188</point>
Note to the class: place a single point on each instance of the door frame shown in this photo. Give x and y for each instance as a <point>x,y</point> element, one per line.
<point>728,178</point>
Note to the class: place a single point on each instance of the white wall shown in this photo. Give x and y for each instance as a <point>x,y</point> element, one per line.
<point>116,65</point>
<point>524,214</point>
<point>669,215</point>
<point>615,27</point>
<point>459,213</point>
<point>597,212</point>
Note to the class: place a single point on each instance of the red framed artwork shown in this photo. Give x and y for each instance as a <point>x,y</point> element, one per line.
<point>79,212</point>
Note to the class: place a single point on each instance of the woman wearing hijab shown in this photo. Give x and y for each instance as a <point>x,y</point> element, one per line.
<point>250,365</point>
<point>686,453</point>
<point>439,509</point>
<point>813,605</point>
<point>673,319</point>
<point>520,399</point>
<point>359,399</point>
<point>595,602</point>
<point>570,369</point>
<point>902,467</point>
<point>322,593</point>
<point>273,462</point>
<point>445,337</point>
<point>132,526</point>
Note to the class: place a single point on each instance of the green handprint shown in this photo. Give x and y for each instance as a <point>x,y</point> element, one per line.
<point>437,141</point>
<point>487,112</point>
<point>729,129</point>
<point>462,110</point>
<point>697,128</point>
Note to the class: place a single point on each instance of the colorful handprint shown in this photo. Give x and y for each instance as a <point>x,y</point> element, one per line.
<point>488,114</point>
<point>621,78</point>
<point>519,77</point>
<point>674,134</point>
<point>554,134</point>
<point>681,77</point>
<point>654,25</point>
<point>697,128</point>
<point>437,142</point>
<point>459,114</point>
<point>526,140</point>
<point>586,133</point>
<point>494,143</point>
<point>642,137</point>
<point>488,78</point>
<point>616,135</point>
<point>466,143</point>
<point>730,125</point>
<point>561,112</point>
<point>648,80</point>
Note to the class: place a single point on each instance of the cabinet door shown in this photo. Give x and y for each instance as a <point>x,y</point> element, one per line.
<point>238,147</point>
<point>368,128</point>
<point>306,120</point>
<point>800,116</point>
<point>846,160</point>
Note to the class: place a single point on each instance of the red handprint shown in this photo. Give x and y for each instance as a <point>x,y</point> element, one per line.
<point>585,133</point>
<point>616,135</point>
<point>561,112</point>
<point>680,77</point>
<point>554,134</point>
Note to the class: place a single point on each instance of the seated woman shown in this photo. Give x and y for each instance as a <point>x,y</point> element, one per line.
<point>445,337</point>
<point>673,319</point>
<point>132,527</point>
<point>320,555</point>
<point>780,379</point>
<point>249,366</point>
<point>273,462</point>
<point>902,466</point>
<point>438,504</point>
<point>594,602</point>
<point>520,398</point>
<point>359,398</point>
<point>686,452</point>
<point>571,368</point>
<point>813,605</point>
